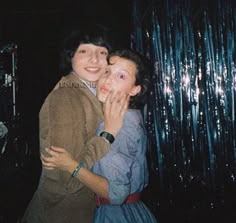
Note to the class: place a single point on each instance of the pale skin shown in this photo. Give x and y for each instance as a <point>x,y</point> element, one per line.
<point>89,62</point>
<point>120,77</point>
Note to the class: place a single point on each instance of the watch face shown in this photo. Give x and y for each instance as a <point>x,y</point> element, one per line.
<point>108,136</point>
<point>105,134</point>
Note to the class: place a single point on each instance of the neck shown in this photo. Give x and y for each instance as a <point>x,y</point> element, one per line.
<point>91,84</point>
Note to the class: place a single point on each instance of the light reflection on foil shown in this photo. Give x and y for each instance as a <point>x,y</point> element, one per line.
<point>192,108</point>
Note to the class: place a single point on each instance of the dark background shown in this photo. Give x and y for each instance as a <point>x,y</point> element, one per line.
<point>37,28</point>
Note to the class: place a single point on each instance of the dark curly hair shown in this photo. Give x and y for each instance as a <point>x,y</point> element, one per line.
<point>96,34</point>
<point>142,75</point>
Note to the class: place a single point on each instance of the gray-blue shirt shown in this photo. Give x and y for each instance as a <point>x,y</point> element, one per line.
<point>125,165</point>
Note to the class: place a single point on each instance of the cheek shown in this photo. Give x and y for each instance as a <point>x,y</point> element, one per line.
<point>126,88</point>
<point>104,65</point>
<point>103,60</point>
<point>77,58</point>
<point>118,86</point>
<point>75,61</point>
<point>101,81</point>
<point>77,64</point>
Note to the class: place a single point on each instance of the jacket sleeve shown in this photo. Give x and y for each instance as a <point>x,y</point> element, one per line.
<point>56,129</point>
<point>96,148</point>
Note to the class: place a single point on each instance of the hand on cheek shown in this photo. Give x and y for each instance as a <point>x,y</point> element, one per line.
<point>115,106</point>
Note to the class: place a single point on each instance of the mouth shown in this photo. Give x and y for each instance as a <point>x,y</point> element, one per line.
<point>103,90</point>
<point>92,69</point>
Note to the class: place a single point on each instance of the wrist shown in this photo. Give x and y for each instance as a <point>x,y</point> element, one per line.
<point>108,136</point>
<point>77,169</point>
<point>111,131</point>
<point>72,167</point>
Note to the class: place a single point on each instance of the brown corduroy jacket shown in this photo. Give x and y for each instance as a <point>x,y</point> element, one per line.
<point>68,118</point>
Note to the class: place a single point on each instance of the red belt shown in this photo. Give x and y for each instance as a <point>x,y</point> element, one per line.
<point>132,198</point>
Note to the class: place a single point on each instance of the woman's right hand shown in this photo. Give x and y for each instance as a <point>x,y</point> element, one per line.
<point>58,158</point>
<point>114,109</point>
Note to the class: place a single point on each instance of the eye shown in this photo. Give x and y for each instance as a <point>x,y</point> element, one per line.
<point>121,76</point>
<point>104,53</point>
<point>82,51</point>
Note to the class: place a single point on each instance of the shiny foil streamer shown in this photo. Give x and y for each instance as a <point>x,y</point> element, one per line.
<point>192,106</point>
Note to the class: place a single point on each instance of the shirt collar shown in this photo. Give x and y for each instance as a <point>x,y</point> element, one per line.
<point>90,86</point>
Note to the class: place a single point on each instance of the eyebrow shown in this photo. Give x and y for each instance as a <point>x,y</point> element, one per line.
<point>126,72</point>
<point>110,64</point>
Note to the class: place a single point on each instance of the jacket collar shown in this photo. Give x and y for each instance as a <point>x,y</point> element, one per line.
<point>72,78</point>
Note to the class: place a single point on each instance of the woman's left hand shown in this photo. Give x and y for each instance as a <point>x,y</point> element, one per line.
<point>114,109</point>
<point>58,158</point>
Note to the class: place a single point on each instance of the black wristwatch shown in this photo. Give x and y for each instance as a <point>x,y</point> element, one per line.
<point>107,136</point>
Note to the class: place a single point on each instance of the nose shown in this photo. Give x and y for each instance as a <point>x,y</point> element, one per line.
<point>108,77</point>
<point>94,57</point>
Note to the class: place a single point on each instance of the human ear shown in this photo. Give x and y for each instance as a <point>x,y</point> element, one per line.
<point>135,90</point>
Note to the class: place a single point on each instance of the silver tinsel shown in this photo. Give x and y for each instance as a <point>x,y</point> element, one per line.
<point>192,106</point>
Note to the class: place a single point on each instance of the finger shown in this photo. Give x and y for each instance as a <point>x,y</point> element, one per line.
<point>116,96</point>
<point>120,102</point>
<point>46,159</point>
<point>50,152</point>
<point>107,100</point>
<point>125,105</point>
<point>47,164</point>
<point>49,168</point>
<point>57,149</point>
<point>123,99</point>
<point>109,96</point>
<point>114,101</point>
<point>107,103</point>
<point>47,149</point>
<point>42,157</point>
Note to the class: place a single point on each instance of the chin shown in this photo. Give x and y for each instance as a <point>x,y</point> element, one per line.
<point>93,80</point>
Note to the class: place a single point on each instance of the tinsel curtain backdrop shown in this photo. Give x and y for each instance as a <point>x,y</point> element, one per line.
<point>192,107</point>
